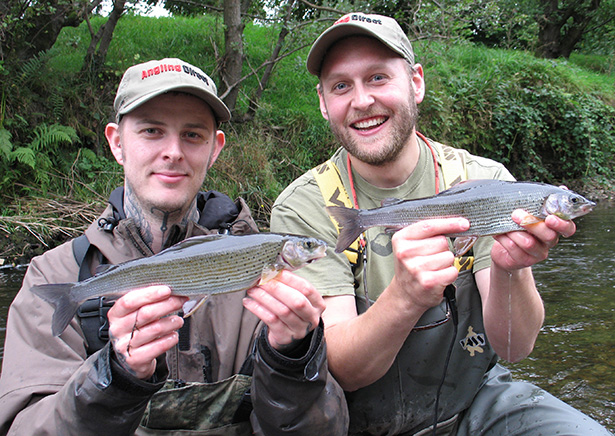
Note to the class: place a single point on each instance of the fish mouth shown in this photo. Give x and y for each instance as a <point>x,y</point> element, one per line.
<point>588,207</point>
<point>369,123</point>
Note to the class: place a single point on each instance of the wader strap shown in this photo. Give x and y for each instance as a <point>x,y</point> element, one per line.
<point>329,181</point>
<point>245,406</point>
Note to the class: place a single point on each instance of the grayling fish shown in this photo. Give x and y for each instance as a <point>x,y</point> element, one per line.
<point>196,267</point>
<point>487,204</point>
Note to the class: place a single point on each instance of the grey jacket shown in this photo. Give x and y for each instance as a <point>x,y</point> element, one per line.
<point>51,386</point>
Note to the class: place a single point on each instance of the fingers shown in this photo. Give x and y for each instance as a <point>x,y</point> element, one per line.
<point>516,250</point>
<point>424,263</point>
<point>289,305</point>
<point>142,327</point>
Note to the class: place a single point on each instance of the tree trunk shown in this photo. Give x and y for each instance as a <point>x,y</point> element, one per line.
<point>561,26</point>
<point>34,29</point>
<point>232,61</point>
<point>95,58</point>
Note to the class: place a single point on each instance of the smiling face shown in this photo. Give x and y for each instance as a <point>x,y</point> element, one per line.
<point>166,147</point>
<point>370,98</point>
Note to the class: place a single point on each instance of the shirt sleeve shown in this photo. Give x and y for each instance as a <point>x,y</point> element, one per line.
<point>300,210</point>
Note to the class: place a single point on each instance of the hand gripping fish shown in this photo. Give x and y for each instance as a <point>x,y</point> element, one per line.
<point>487,204</point>
<point>196,267</point>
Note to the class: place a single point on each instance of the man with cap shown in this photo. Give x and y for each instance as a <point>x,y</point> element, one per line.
<point>413,335</point>
<point>134,366</point>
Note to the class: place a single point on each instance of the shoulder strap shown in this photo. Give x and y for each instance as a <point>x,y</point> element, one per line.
<point>81,246</point>
<point>329,181</point>
<point>453,163</point>
<point>92,313</point>
<point>454,170</point>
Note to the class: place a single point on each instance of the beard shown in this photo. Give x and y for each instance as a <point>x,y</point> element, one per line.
<point>381,151</point>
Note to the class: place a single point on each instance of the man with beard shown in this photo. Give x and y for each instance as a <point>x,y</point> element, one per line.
<point>410,360</point>
<point>245,363</point>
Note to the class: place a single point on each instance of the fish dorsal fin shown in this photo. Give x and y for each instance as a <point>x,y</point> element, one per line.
<point>194,240</point>
<point>103,268</point>
<point>470,184</point>
<point>391,201</point>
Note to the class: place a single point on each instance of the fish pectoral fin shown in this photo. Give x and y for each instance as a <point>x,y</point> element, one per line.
<point>390,201</point>
<point>392,229</point>
<point>530,219</point>
<point>191,306</point>
<point>270,272</point>
<point>463,244</point>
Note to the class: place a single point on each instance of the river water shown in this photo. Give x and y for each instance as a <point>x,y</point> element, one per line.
<point>574,357</point>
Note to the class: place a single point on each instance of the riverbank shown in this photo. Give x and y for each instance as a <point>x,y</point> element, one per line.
<point>54,221</point>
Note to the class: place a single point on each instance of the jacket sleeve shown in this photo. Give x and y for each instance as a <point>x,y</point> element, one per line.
<point>296,396</point>
<point>49,386</point>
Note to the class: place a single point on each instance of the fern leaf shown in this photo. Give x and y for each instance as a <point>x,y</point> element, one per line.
<point>6,146</point>
<point>24,155</point>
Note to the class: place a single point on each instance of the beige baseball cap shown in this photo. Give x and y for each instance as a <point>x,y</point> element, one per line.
<point>385,29</point>
<point>145,81</point>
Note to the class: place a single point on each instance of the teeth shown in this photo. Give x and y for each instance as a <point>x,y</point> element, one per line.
<point>372,122</point>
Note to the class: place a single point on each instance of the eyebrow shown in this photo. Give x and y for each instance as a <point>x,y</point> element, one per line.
<point>191,125</point>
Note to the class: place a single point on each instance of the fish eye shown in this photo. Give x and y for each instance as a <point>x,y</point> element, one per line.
<point>574,200</point>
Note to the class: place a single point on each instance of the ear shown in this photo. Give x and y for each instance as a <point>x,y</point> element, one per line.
<point>220,140</point>
<point>112,133</point>
<point>418,83</point>
<point>323,105</point>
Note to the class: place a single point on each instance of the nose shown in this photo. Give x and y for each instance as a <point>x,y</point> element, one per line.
<point>173,149</point>
<point>362,97</point>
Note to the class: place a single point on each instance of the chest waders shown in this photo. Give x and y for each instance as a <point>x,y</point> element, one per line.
<point>179,408</point>
<point>402,401</point>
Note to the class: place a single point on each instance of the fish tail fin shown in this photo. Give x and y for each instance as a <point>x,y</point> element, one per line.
<point>59,296</point>
<point>349,225</point>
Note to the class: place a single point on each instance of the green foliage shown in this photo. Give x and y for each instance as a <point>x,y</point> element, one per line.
<point>35,159</point>
<point>545,120</point>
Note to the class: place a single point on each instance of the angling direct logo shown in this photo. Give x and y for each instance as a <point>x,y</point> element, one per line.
<point>176,68</point>
<point>356,17</point>
<point>473,342</point>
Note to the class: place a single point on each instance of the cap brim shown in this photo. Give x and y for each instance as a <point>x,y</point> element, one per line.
<point>221,112</point>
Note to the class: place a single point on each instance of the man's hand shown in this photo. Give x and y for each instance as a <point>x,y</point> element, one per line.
<point>289,305</point>
<point>142,327</point>
<point>516,250</point>
<point>424,264</point>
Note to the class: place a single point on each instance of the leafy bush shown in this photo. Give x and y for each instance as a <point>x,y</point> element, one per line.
<point>544,119</point>
<point>538,117</point>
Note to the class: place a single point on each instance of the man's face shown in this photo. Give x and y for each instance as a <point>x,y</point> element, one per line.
<point>166,147</point>
<point>369,99</point>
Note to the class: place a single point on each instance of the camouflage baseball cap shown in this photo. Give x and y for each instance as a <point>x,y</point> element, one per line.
<point>145,81</point>
<point>385,29</point>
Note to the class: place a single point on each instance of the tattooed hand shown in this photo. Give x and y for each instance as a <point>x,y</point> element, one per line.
<point>289,305</point>
<point>142,327</point>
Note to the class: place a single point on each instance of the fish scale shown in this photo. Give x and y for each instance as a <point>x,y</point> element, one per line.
<point>487,204</point>
<point>196,267</point>
<point>216,271</point>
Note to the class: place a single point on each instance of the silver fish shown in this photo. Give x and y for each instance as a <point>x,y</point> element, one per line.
<point>487,204</point>
<point>196,267</point>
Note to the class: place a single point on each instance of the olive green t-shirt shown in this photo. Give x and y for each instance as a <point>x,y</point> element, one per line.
<point>300,209</point>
